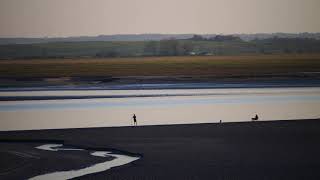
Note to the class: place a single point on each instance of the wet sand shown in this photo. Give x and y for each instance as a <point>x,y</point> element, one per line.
<point>296,79</point>
<point>245,150</point>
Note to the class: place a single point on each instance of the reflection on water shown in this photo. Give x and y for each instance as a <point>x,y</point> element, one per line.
<point>189,106</point>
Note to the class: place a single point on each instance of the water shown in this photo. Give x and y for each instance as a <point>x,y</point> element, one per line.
<point>154,107</point>
<point>119,159</point>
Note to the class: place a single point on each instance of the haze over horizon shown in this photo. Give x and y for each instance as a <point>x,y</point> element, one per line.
<point>59,18</point>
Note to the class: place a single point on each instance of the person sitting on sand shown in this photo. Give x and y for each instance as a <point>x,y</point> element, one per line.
<point>135,120</point>
<point>255,118</point>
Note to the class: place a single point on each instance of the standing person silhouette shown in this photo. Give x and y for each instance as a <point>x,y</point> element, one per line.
<point>135,120</point>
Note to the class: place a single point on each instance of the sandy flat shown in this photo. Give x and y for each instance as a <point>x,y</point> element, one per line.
<point>247,150</point>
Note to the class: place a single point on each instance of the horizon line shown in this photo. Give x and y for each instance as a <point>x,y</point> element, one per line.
<point>137,34</point>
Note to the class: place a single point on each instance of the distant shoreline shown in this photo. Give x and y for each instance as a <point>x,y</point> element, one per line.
<point>158,82</point>
<point>162,72</point>
<point>151,86</point>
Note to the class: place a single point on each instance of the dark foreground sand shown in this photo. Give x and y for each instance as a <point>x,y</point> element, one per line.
<point>249,150</point>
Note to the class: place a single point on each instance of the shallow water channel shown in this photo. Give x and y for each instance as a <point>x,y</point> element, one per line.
<point>153,107</point>
<point>119,159</point>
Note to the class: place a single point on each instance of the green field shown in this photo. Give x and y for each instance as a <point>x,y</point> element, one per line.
<point>223,66</point>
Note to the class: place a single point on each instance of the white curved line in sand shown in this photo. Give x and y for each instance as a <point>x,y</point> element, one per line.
<point>62,175</point>
<point>55,147</point>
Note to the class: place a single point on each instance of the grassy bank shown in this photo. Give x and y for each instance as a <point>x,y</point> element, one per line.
<point>224,66</point>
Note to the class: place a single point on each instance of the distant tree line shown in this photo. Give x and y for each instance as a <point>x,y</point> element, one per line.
<point>288,45</point>
<point>168,48</point>
<point>196,45</point>
<point>218,38</point>
<point>174,47</point>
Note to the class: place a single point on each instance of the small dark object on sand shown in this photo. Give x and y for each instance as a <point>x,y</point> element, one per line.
<point>256,118</point>
<point>220,121</point>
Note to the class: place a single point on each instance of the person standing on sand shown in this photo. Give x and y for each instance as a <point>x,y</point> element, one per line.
<point>135,120</point>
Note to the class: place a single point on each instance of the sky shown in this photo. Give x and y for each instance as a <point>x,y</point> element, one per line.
<point>61,18</point>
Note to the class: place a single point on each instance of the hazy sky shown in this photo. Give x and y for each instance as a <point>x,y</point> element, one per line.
<point>39,18</point>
